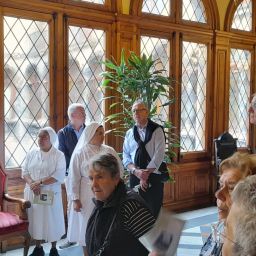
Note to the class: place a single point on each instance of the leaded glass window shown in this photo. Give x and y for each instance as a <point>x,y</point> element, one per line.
<point>86,53</point>
<point>159,49</point>
<point>193,96</point>
<point>240,65</point>
<point>26,85</point>
<point>160,7</point>
<point>193,10</point>
<point>243,16</point>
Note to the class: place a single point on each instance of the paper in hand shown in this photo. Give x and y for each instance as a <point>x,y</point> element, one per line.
<point>164,237</point>
<point>45,197</point>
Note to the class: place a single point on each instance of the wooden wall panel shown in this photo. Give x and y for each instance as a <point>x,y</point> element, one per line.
<point>193,187</point>
<point>169,195</point>
<point>201,183</point>
<point>185,186</point>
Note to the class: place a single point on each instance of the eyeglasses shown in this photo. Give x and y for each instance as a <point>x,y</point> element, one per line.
<point>138,110</point>
<point>218,234</point>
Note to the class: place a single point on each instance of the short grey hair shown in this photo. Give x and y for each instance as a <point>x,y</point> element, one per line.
<point>244,195</point>
<point>106,162</point>
<point>72,108</point>
<point>139,102</point>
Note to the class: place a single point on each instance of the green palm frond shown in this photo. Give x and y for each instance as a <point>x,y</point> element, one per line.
<point>138,77</point>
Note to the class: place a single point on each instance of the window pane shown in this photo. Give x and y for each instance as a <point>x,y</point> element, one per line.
<point>240,65</point>
<point>160,7</point>
<point>26,85</point>
<point>193,96</point>
<point>159,49</point>
<point>243,16</point>
<point>91,1</point>
<point>86,52</point>
<point>193,10</point>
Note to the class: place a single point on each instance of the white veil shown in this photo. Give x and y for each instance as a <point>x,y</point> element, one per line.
<point>85,138</point>
<point>53,136</point>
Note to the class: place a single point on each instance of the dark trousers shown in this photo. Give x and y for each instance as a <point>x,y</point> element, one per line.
<point>153,195</point>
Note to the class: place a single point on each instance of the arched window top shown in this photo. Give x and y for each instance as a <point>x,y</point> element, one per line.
<point>199,12</point>
<point>242,19</point>
<point>193,10</point>
<point>159,7</point>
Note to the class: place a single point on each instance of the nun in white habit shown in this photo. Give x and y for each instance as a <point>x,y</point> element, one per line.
<point>44,170</point>
<point>89,145</point>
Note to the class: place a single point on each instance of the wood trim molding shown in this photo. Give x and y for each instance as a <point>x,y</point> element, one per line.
<point>58,71</point>
<point>136,7</point>
<point>221,86</point>
<point>73,10</point>
<point>212,13</point>
<point>2,122</point>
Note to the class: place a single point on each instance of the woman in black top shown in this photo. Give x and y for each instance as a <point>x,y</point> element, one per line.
<point>120,217</point>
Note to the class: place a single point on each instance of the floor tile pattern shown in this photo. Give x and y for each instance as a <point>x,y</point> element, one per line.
<point>197,228</point>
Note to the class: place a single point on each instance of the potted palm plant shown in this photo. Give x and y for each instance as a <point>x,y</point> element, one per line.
<point>139,77</point>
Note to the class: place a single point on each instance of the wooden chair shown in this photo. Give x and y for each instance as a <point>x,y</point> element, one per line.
<point>11,224</point>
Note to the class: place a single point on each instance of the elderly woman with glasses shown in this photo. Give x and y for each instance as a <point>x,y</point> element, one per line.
<point>240,233</point>
<point>44,172</point>
<point>232,170</point>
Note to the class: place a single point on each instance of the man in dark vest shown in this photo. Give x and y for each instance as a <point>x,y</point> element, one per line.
<point>143,153</point>
<point>68,137</point>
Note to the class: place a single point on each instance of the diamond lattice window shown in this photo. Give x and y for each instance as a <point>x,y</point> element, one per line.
<point>159,7</point>
<point>193,10</point>
<point>86,53</point>
<point>26,85</point>
<point>243,16</point>
<point>240,65</point>
<point>193,96</point>
<point>159,49</point>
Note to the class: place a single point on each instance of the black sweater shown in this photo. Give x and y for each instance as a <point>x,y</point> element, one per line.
<point>133,219</point>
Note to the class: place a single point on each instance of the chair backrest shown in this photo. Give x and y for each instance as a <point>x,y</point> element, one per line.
<point>3,176</point>
<point>225,146</point>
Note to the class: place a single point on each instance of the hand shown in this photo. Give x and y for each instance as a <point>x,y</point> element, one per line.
<point>35,187</point>
<point>142,174</point>
<point>77,205</point>
<point>143,185</point>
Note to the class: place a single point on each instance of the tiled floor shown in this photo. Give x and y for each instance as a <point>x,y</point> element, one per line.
<point>196,230</point>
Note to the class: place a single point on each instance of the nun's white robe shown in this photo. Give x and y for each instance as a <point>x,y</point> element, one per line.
<point>81,189</point>
<point>46,222</point>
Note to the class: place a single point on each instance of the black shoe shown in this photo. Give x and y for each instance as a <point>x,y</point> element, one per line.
<point>38,251</point>
<point>53,252</point>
